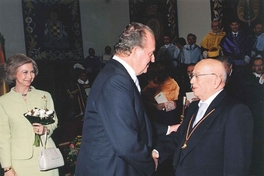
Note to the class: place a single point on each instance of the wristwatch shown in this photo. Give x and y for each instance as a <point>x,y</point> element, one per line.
<point>163,109</point>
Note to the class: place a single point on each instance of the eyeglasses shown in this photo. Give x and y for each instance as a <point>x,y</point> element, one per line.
<point>197,75</point>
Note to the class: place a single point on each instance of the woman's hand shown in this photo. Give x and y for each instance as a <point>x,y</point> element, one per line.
<point>11,172</point>
<point>39,128</point>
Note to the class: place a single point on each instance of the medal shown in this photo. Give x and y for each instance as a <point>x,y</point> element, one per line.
<point>189,132</point>
<point>184,145</point>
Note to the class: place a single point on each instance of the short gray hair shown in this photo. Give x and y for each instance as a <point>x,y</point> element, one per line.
<point>133,35</point>
<point>14,62</point>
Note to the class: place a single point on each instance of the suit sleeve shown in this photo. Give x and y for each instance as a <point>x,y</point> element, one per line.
<point>5,139</point>
<point>123,119</point>
<point>50,105</point>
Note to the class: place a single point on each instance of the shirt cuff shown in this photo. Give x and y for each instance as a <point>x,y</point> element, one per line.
<point>154,150</point>
<point>168,131</point>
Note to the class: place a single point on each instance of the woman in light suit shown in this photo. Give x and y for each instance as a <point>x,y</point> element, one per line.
<point>18,156</point>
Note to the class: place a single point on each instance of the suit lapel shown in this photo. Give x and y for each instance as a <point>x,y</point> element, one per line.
<point>200,131</point>
<point>140,105</point>
<point>118,65</point>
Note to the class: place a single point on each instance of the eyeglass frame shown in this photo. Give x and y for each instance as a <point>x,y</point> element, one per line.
<point>197,75</point>
<point>260,65</point>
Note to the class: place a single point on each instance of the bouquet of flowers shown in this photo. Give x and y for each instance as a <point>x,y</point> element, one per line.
<point>42,116</point>
<point>74,148</point>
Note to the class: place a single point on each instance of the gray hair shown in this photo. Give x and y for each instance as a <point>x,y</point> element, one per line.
<point>14,62</point>
<point>133,35</point>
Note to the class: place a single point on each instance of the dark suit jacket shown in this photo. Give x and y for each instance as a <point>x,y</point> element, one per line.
<point>117,135</point>
<point>235,84</point>
<point>236,48</point>
<point>255,100</point>
<point>220,146</point>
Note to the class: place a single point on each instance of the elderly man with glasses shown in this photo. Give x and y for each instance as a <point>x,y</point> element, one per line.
<point>215,137</point>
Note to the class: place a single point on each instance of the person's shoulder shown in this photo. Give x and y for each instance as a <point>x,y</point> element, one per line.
<point>5,96</point>
<point>38,91</point>
<point>193,104</point>
<point>228,34</point>
<point>209,34</point>
<point>232,103</point>
<point>186,46</point>
<point>97,57</point>
<point>162,47</point>
<point>172,46</point>
<point>261,37</point>
<point>113,69</point>
<point>221,33</point>
<point>197,46</point>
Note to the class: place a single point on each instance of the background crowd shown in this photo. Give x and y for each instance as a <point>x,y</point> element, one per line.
<point>163,86</point>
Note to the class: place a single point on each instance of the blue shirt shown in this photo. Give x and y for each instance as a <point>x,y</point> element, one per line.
<point>190,54</point>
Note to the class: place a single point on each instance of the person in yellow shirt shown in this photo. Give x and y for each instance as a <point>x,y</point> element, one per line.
<point>212,39</point>
<point>162,112</point>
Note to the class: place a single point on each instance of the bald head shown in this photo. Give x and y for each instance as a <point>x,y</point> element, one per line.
<point>215,66</point>
<point>209,77</point>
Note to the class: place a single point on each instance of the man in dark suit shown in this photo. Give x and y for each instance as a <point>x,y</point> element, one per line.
<point>219,141</point>
<point>117,134</point>
<point>236,44</point>
<point>235,83</point>
<point>254,94</point>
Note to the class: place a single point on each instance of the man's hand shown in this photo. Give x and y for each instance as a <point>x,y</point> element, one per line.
<point>173,128</point>
<point>155,156</point>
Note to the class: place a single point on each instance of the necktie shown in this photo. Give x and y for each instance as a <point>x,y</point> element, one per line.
<point>190,47</point>
<point>235,36</point>
<point>138,86</point>
<point>200,113</point>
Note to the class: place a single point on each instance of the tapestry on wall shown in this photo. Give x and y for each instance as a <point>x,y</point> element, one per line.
<point>216,9</point>
<point>52,29</point>
<point>159,15</point>
<point>248,12</point>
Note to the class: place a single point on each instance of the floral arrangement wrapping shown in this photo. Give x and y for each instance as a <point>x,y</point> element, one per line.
<point>42,116</point>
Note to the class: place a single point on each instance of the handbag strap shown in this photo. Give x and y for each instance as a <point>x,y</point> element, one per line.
<point>46,136</point>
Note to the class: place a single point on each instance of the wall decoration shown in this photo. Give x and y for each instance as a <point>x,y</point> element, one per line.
<point>216,10</point>
<point>52,29</point>
<point>249,12</point>
<point>160,15</point>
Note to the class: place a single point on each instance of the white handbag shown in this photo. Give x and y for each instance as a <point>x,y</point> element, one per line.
<point>50,158</point>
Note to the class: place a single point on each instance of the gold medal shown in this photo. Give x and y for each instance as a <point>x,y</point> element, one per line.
<point>184,145</point>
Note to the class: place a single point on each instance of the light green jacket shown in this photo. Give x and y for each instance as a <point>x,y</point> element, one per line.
<point>16,132</point>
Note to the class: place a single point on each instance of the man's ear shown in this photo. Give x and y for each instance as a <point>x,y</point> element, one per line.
<point>217,81</point>
<point>137,51</point>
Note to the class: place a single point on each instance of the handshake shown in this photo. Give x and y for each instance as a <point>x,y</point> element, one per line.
<point>155,153</point>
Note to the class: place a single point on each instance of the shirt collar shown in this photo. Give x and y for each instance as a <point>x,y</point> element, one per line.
<point>231,71</point>
<point>210,99</point>
<point>129,69</point>
<point>257,75</point>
